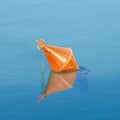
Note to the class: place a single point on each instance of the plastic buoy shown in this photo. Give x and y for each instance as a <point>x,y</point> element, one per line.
<point>60,59</point>
<point>58,82</point>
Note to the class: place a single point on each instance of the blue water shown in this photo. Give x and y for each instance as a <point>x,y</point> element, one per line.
<point>91,28</point>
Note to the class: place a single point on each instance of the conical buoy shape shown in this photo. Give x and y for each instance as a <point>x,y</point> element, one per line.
<point>60,59</point>
<point>59,82</point>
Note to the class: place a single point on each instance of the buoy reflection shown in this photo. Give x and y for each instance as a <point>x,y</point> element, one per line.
<point>58,82</point>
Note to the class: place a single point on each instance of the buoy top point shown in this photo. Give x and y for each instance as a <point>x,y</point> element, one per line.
<point>40,43</point>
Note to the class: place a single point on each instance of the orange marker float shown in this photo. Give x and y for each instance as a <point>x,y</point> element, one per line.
<point>60,59</point>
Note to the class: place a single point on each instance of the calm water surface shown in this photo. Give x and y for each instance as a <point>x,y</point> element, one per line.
<point>91,28</point>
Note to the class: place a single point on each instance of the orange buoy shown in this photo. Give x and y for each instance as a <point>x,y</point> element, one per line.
<point>58,82</point>
<point>60,59</point>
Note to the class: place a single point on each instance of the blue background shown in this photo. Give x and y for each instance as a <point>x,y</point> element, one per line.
<point>91,28</point>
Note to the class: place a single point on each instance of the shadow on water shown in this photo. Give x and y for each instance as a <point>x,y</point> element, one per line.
<point>81,79</point>
<point>58,82</point>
